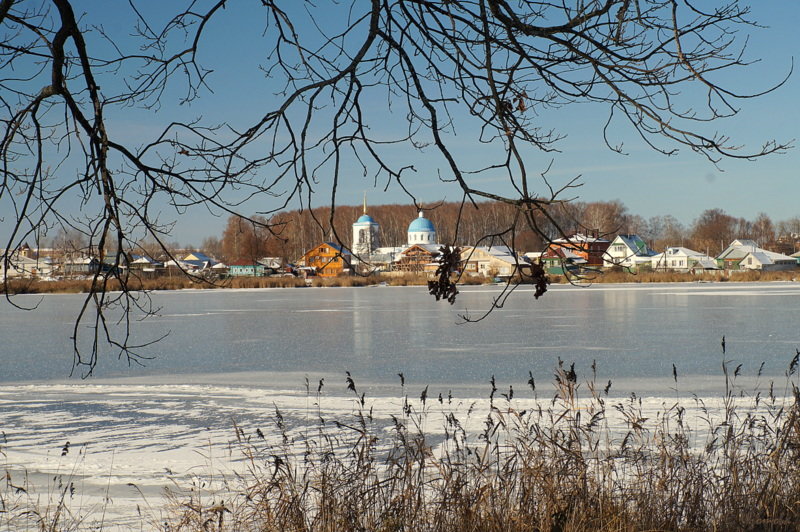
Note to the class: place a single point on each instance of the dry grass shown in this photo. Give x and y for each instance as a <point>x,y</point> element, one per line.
<point>178,282</point>
<point>556,467</point>
<point>550,464</point>
<point>623,276</point>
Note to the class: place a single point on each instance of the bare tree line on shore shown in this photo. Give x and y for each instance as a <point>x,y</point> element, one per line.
<point>492,223</point>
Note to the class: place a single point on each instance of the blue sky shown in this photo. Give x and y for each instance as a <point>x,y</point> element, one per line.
<point>647,182</point>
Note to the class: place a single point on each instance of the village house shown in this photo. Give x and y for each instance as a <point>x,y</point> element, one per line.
<point>590,248</point>
<point>144,264</point>
<point>730,257</point>
<point>680,259</point>
<point>628,251</point>
<point>328,260</point>
<point>490,261</point>
<point>199,260</point>
<point>764,260</point>
<point>746,255</point>
<point>559,260</point>
<point>246,269</point>
<point>80,266</point>
<point>220,270</point>
<point>194,262</point>
<point>265,266</point>
<point>21,266</point>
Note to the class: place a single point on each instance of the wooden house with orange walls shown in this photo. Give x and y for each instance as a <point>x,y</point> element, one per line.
<point>328,259</point>
<point>590,248</point>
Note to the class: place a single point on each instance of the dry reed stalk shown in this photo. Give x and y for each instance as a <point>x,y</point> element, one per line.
<point>561,466</point>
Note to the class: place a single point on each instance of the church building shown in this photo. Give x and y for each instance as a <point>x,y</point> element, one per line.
<point>366,234</point>
<point>422,248</point>
<point>417,255</point>
<point>421,231</point>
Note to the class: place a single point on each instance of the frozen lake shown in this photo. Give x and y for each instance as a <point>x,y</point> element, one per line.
<point>235,356</point>
<point>263,337</point>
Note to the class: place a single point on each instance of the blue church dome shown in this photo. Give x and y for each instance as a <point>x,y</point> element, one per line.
<point>365,219</point>
<point>421,225</point>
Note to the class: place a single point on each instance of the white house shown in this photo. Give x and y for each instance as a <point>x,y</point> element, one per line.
<point>26,267</point>
<point>735,252</point>
<point>682,259</point>
<point>144,263</point>
<point>628,251</point>
<point>746,255</point>
<point>764,260</point>
<point>494,260</point>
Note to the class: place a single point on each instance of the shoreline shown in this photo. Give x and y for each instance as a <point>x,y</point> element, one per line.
<point>34,286</point>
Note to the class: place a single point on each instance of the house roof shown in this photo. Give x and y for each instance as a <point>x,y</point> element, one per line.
<point>769,257</point>
<point>337,247</point>
<point>760,256</point>
<point>243,264</point>
<point>565,254</point>
<point>700,259</point>
<point>677,250</point>
<point>381,258</point>
<point>503,253</point>
<point>81,260</point>
<point>142,259</point>
<point>637,246</point>
<point>16,260</point>
<point>578,237</point>
<point>707,263</point>
<point>738,249</point>
<point>199,256</point>
<point>198,264</point>
<point>430,248</point>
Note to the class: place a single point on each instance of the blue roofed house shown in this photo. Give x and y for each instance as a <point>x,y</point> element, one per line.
<point>199,260</point>
<point>628,251</point>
